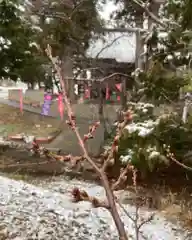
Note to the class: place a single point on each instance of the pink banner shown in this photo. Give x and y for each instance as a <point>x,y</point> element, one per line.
<point>60,106</point>
<point>21,100</point>
<point>119,86</point>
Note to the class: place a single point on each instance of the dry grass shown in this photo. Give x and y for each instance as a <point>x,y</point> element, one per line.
<point>13,122</point>
<point>175,205</point>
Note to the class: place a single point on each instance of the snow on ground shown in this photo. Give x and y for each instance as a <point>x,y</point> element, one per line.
<point>33,212</point>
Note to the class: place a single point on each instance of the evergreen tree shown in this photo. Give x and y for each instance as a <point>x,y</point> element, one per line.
<point>66,24</point>
<point>16,39</point>
<point>168,45</point>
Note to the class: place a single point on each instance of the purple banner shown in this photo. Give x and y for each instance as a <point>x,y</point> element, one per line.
<point>47,104</point>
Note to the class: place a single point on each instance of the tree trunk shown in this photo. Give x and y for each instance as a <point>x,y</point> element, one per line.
<point>154,8</point>
<point>67,72</point>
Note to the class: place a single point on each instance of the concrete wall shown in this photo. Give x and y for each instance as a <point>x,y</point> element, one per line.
<point>33,96</point>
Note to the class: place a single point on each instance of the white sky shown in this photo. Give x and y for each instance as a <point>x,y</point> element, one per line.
<point>123,49</point>
<point>108,9</point>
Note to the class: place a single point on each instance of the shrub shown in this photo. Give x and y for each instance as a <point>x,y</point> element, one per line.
<point>145,139</point>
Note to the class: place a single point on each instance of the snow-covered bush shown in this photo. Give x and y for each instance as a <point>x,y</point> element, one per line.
<point>144,139</point>
<point>161,84</point>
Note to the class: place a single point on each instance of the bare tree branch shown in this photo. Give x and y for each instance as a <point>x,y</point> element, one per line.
<point>125,30</point>
<point>137,221</point>
<point>77,7</point>
<point>165,23</point>
<point>149,13</point>
<point>72,123</point>
<point>108,45</point>
<point>171,156</point>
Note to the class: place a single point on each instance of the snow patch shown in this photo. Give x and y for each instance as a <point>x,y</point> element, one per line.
<point>143,129</point>
<point>31,212</point>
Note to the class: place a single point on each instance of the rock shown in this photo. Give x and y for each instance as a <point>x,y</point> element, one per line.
<point>3,233</point>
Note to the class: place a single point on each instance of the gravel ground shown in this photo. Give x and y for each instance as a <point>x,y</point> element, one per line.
<point>45,211</point>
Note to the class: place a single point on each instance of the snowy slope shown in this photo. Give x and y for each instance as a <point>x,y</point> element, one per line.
<point>31,212</point>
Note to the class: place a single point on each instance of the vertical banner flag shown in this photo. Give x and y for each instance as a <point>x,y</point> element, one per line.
<point>87,93</point>
<point>46,104</point>
<point>107,92</point>
<point>119,86</point>
<point>21,100</point>
<point>118,98</point>
<point>60,105</point>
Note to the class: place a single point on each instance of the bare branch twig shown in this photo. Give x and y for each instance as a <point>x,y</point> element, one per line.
<point>171,156</point>
<point>110,197</point>
<point>142,5</point>
<point>125,30</point>
<point>83,196</point>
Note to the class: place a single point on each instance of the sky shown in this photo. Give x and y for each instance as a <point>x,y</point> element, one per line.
<point>108,9</point>
<point>123,49</point>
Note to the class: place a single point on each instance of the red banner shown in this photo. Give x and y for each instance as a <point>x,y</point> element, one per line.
<point>21,100</point>
<point>87,93</point>
<point>119,86</point>
<point>118,98</point>
<point>60,106</point>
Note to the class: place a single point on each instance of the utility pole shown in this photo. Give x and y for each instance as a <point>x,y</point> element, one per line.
<point>139,45</point>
